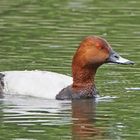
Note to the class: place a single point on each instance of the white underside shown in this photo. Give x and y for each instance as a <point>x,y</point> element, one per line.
<point>35,83</point>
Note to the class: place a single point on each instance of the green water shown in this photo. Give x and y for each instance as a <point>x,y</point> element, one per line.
<point>43,35</point>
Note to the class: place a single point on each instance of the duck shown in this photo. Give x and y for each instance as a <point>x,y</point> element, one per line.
<point>92,52</point>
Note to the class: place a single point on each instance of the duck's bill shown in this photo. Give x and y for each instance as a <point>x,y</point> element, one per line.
<point>116,58</point>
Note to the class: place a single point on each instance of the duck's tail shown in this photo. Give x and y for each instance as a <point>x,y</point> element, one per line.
<point>1,84</point>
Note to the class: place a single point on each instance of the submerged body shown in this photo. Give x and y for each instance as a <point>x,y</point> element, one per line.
<point>91,54</point>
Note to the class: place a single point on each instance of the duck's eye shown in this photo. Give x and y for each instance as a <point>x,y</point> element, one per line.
<point>101,48</point>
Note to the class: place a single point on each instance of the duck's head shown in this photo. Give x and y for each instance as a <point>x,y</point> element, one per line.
<point>96,51</point>
<point>92,53</point>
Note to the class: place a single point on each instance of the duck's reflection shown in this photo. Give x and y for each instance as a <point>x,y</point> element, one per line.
<point>83,114</point>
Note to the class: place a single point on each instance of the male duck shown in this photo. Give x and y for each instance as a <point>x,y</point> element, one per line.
<point>92,53</point>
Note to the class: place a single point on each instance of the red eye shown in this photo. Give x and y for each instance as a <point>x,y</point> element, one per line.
<point>101,48</point>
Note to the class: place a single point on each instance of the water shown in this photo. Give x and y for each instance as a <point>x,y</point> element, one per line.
<point>43,35</point>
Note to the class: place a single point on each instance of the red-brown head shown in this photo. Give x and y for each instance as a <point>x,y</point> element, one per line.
<point>93,52</point>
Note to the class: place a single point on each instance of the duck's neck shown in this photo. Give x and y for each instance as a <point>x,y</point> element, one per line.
<point>83,77</point>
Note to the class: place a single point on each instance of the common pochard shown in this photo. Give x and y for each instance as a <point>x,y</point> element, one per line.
<point>91,54</point>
